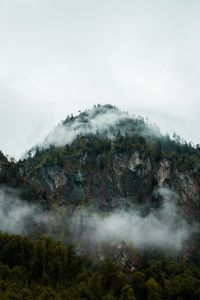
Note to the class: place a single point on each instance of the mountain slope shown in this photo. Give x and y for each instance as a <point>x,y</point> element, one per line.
<point>107,159</point>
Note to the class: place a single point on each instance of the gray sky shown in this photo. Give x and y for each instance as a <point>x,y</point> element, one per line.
<point>61,56</point>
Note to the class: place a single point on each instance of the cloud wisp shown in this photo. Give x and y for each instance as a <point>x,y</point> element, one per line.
<point>20,217</point>
<point>163,228</point>
<point>102,120</point>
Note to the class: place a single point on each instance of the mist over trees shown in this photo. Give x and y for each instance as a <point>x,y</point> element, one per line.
<point>91,218</point>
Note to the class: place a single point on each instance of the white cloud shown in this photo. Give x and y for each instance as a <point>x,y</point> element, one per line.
<point>164,228</point>
<point>59,56</point>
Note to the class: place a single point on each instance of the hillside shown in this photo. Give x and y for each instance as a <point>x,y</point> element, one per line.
<point>107,184</point>
<point>113,164</point>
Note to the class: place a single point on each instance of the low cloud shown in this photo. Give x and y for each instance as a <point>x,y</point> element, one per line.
<point>164,228</point>
<point>104,120</point>
<point>14,212</point>
<point>20,217</point>
<point>90,123</point>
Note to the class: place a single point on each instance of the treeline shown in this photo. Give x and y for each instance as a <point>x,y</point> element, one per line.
<point>97,151</point>
<point>182,154</point>
<point>46,269</point>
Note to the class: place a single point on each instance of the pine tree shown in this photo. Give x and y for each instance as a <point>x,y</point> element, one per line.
<point>154,291</point>
<point>127,293</point>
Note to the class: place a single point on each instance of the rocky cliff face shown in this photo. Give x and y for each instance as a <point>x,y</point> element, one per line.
<point>118,164</point>
<point>121,165</point>
<point>113,180</point>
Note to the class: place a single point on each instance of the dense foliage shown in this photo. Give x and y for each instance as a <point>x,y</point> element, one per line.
<point>46,269</point>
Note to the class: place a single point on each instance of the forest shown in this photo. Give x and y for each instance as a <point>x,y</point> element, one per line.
<point>42,268</point>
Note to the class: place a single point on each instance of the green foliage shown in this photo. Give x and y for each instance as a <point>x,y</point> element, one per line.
<point>46,269</point>
<point>29,264</point>
<point>127,293</point>
<point>139,285</point>
<point>112,278</point>
<point>154,291</point>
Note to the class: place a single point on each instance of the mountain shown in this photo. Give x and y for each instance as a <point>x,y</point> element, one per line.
<point>108,159</point>
<point>103,183</point>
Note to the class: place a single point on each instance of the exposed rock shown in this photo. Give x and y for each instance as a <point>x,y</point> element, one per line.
<point>163,172</point>
<point>56,178</point>
<point>134,161</point>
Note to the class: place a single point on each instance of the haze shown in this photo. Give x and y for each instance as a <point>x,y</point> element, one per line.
<point>58,57</point>
<point>164,228</point>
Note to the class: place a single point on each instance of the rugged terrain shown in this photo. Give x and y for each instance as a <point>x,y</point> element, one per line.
<point>111,185</point>
<point>114,166</point>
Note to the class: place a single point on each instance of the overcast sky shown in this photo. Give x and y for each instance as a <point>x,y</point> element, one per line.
<point>61,56</point>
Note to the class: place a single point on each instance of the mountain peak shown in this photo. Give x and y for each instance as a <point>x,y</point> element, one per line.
<point>106,120</point>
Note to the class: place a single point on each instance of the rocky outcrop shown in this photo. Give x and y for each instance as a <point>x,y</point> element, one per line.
<point>54,177</point>
<point>115,181</point>
<point>163,172</point>
<point>134,161</point>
